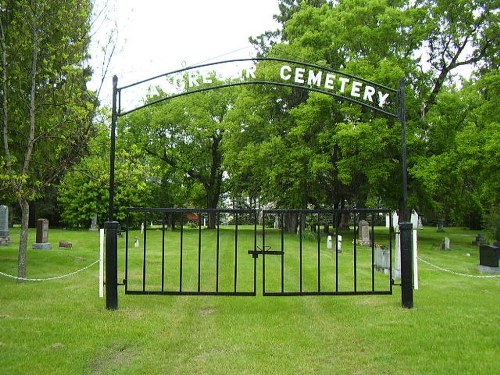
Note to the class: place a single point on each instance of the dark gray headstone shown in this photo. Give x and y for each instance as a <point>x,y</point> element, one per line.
<point>4,221</point>
<point>489,255</point>
<point>42,235</point>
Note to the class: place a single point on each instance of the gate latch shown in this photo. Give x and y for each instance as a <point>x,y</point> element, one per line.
<point>266,250</point>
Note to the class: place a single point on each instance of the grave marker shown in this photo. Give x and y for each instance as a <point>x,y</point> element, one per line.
<point>364,233</point>
<point>42,235</point>
<point>93,225</point>
<point>4,225</point>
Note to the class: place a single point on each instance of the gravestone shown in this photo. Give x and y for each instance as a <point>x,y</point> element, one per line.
<point>382,259</point>
<point>445,245</point>
<point>489,255</point>
<point>4,225</point>
<point>93,225</point>
<point>480,240</point>
<point>42,235</point>
<point>329,242</point>
<point>364,233</point>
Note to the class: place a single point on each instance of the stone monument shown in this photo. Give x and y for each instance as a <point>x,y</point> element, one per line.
<point>42,235</point>
<point>4,225</point>
<point>364,233</point>
<point>93,225</point>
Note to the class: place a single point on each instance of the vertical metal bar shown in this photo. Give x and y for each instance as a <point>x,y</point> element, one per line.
<point>163,251</point>
<point>255,221</point>
<point>373,252</point>
<point>181,248</point>
<point>263,259</point>
<point>235,277</point>
<point>301,214</point>
<point>217,255</point>
<point>391,229</point>
<point>319,252</point>
<point>355,255</point>
<point>199,251</point>
<point>114,120</point>
<point>337,219</point>
<point>144,254</point>
<point>111,264</point>
<point>126,252</point>
<point>282,220</point>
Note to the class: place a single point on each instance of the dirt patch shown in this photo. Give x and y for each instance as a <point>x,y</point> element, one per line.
<point>206,311</point>
<point>116,356</point>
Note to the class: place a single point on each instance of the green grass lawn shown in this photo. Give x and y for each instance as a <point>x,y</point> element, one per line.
<point>62,327</point>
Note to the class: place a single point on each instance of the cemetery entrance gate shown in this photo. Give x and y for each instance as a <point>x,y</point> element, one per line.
<point>288,268</point>
<point>174,253</point>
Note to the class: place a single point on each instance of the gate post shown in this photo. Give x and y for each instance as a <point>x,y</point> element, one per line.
<point>404,224</point>
<point>111,228</point>
<point>406,264</point>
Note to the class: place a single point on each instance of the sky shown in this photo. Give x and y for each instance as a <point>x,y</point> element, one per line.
<point>157,36</point>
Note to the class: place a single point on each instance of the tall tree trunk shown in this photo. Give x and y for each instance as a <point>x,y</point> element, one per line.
<point>21,190</point>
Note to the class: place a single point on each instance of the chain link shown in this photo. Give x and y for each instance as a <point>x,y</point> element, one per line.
<point>458,273</point>
<point>50,278</point>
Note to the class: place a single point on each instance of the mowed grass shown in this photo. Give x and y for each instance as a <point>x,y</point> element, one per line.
<point>62,327</point>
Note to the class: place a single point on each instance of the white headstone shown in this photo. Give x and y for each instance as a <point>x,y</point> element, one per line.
<point>329,242</point>
<point>339,242</point>
<point>446,243</point>
<point>93,224</point>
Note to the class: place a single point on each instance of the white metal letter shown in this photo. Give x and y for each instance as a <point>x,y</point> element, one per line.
<point>314,79</point>
<point>250,72</point>
<point>193,80</point>
<point>329,81</point>
<point>369,92</point>
<point>355,89</point>
<point>299,75</point>
<point>382,98</point>
<point>286,76</point>
<point>343,81</point>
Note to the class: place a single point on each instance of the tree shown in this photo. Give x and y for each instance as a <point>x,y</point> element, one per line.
<point>186,136</point>
<point>424,41</point>
<point>459,168</point>
<point>83,191</point>
<point>46,108</point>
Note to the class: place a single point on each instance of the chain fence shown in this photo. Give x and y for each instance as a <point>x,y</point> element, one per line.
<point>457,273</point>
<point>50,278</point>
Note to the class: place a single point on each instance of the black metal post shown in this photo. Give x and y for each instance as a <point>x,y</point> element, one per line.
<point>406,264</point>
<point>405,225</point>
<point>111,228</point>
<point>114,119</point>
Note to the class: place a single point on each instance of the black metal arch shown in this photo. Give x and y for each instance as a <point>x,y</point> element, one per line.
<point>398,112</point>
<point>396,93</point>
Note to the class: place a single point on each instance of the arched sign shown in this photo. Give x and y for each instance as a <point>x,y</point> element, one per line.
<point>276,72</point>
<point>270,71</point>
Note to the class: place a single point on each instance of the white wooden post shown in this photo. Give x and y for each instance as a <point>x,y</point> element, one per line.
<point>396,273</point>
<point>101,263</point>
<point>414,221</point>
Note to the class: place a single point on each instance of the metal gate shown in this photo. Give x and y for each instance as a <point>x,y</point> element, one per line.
<point>230,252</point>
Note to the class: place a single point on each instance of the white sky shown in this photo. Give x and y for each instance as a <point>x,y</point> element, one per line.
<point>157,36</point>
